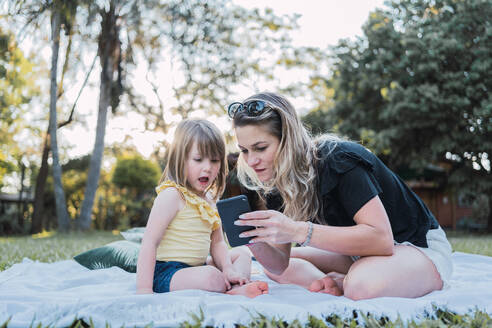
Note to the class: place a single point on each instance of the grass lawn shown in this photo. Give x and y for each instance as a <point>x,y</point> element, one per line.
<point>51,247</point>
<point>471,243</point>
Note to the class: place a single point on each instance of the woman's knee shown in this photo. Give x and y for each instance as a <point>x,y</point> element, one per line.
<point>357,287</point>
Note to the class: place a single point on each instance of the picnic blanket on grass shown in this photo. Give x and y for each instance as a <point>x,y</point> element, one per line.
<point>56,293</point>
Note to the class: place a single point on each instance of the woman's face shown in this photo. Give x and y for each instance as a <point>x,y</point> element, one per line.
<point>258,147</point>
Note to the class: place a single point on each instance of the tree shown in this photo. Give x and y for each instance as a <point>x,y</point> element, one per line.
<point>62,17</point>
<point>60,201</point>
<point>136,173</point>
<point>203,42</point>
<point>135,179</point>
<point>109,51</point>
<point>415,88</point>
<point>16,90</point>
<point>212,48</point>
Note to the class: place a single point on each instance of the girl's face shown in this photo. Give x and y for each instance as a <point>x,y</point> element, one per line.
<point>258,147</point>
<point>201,171</point>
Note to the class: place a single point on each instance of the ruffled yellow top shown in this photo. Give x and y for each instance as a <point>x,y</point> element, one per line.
<point>187,238</point>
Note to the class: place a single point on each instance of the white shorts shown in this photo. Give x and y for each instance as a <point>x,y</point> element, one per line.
<point>439,252</point>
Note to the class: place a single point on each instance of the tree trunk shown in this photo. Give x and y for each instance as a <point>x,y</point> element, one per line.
<point>489,223</point>
<point>107,42</point>
<point>21,208</point>
<point>37,215</point>
<point>60,202</point>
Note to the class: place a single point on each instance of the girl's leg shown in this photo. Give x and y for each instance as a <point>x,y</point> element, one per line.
<point>406,273</point>
<point>204,277</point>
<point>241,260</point>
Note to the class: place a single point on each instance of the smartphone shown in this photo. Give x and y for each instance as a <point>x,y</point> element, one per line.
<point>229,211</point>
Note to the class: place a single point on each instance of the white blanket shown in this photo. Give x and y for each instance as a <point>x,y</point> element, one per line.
<point>56,293</point>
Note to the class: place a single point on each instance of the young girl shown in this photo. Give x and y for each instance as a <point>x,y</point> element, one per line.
<point>184,226</point>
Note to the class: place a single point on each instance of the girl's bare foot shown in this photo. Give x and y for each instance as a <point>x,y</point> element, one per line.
<point>252,289</point>
<point>332,284</point>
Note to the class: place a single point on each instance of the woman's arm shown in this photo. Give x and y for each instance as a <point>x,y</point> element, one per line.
<point>274,257</point>
<point>165,207</point>
<point>371,235</point>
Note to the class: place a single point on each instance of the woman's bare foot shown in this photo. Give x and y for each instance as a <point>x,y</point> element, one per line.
<point>252,289</point>
<point>332,284</point>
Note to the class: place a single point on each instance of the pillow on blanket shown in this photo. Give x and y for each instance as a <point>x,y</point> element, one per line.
<point>121,253</point>
<point>133,234</point>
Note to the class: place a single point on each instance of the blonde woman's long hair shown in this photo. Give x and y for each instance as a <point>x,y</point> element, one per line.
<point>295,163</point>
<point>210,143</point>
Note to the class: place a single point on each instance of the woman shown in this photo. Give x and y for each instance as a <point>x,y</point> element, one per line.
<point>368,234</point>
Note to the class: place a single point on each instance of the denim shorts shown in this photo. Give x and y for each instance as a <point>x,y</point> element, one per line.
<point>164,272</point>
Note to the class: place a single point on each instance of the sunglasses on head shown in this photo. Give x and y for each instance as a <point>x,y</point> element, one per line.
<point>253,108</point>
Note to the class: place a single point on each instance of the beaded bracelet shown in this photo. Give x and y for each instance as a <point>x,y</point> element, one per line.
<point>309,234</point>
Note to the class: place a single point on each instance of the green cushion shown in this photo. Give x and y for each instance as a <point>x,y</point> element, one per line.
<point>121,253</point>
<point>133,234</point>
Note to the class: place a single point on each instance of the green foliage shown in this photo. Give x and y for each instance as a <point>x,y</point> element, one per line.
<point>14,73</point>
<point>136,173</point>
<point>419,81</point>
<point>416,88</point>
<point>316,121</point>
<point>136,178</point>
<point>74,179</point>
<point>440,318</point>
<point>16,90</point>
<point>6,167</point>
<point>123,199</point>
<point>213,46</point>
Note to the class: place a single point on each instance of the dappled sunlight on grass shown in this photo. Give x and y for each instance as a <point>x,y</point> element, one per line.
<point>43,234</point>
<point>52,248</point>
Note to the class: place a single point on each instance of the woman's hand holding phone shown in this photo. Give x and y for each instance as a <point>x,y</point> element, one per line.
<point>271,227</point>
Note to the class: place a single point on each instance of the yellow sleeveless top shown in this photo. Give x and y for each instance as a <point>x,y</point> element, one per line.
<point>187,238</point>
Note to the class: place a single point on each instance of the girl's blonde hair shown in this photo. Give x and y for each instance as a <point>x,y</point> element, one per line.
<point>210,143</point>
